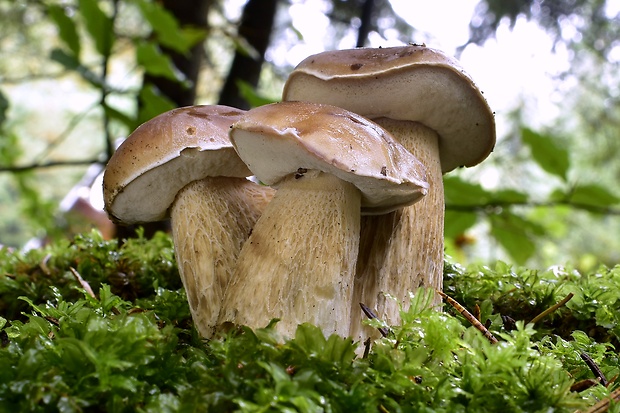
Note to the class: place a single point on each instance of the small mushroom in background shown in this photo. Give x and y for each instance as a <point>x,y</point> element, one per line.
<point>182,165</point>
<point>329,166</point>
<point>433,108</point>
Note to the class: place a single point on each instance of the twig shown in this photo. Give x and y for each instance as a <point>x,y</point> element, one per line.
<point>85,285</point>
<point>43,264</point>
<point>371,315</point>
<point>73,123</point>
<point>603,405</point>
<point>595,368</point>
<point>50,164</point>
<point>366,348</point>
<point>473,320</point>
<point>551,309</point>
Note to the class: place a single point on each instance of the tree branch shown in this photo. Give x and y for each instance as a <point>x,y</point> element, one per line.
<point>73,123</point>
<point>50,164</point>
<point>366,23</point>
<point>492,207</point>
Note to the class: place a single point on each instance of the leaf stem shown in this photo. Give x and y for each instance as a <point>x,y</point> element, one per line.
<point>603,405</point>
<point>551,309</point>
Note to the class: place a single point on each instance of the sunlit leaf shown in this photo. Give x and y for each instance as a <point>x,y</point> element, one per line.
<point>245,48</point>
<point>98,25</point>
<point>547,153</point>
<point>66,28</point>
<point>193,35</point>
<point>72,63</point>
<point>124,118</point>
<point>156,63</point>
<point>153,103</point>
<point>251,96</point>
<point>166,28</point>
<point>297,33</point>
<point>592,194</point>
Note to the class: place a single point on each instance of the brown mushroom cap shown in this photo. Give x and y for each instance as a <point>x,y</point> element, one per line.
<point>163,155</point>
<point>286,138</point>
<point>413,83</point>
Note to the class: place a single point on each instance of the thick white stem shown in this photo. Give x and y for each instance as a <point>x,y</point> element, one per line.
<point>298,264</point>
<point>211,219</point>
<point>403,250</point>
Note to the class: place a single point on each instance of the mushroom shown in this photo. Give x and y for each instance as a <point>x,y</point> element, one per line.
<point>182,165</point>
<point>329,165</point>
<point>434,109</point>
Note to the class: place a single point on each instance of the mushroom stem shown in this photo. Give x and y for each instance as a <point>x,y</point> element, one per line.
<point>299,270</point>
<point>403,250</point>
<point>211,219</point>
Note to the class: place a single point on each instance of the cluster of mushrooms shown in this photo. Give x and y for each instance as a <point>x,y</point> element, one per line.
<point>303,209</point>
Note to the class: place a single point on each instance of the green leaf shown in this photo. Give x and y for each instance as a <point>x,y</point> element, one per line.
<point>125,119</point>
<point>194,35</point>
<point>456,222</point>
<point>66,28</point>
<point>98,24</point>
<point>460,192</point>
<point>509,196</point>
<point>248,93</point>
<point>592,194</point>
<point>167,30</point>
<point>157,63</point>
<point>275,371</point>
<point>558,195</point>
<point>339,349</point>
<point>70,62</point>
<point>35,307</point>
<point>515,235</point>
<point>4,108</point>
<point>153,103</point>
<point>245,48</point>
<point>310,338</point>
<point>547,153</point>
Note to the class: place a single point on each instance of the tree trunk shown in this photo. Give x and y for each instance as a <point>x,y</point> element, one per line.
<point>256,26</point>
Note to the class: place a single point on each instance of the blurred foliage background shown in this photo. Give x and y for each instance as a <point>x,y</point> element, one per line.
<point>78,75</point>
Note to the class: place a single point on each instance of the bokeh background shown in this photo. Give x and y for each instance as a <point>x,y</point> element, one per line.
<point>77,76</point>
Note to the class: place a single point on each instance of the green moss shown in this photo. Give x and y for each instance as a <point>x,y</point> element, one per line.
<point>133,348</point>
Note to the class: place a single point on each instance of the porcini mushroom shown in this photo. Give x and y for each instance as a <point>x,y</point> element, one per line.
<point>182,165</point>
<point>434,109</point>
<point>328,165</point>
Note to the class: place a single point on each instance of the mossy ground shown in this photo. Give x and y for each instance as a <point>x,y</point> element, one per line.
<point>131,347</point>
